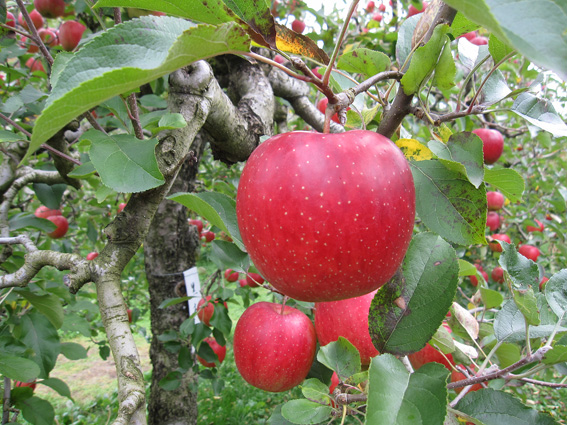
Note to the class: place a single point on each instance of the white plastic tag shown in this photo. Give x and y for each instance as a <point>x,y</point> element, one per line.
<point>193,287</point>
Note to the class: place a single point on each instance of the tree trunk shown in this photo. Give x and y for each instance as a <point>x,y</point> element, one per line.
<point>170,248</point>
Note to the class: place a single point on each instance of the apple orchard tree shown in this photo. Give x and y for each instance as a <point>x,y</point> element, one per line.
<point>119,103</point>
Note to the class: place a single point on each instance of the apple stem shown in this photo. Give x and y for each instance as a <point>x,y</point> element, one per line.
<point>285,298</point>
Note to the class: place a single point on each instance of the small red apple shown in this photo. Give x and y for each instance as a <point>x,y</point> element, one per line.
<point>377,17</point>
<point>492,143</point>
<point>36,19</point>
<point>429,354</point>
<point>279,59</point>
<point>542,283</point>
<point>32,384</point>
<point>530,252</point>
<point>206,308</point>
<point>35,64</point>
<point>349,319</point>
<point>370,6</point>
<point>230,275</point>
<point>316,72</point>
<point>412,10</point>
<point>479,41</point>
<point>254,280</point>
<point>493,220</point>
<point>70,33</point>
<point>218,349</point>
<point>129,312</point>
<point>497,274</point>
<point>92,255</point>
<point>62,226</point>
<point>322,106</point>
<point>50,8</point>
<point>208,235</point>
<point>274,346</point>
<point>44,212</point>
<point>10,19</point>
<point>474,279</point>
<point>48,36</point>
<point>242,283</point>
<point>298,26</point>
<point>495,201</point>
<point>469,35</point>
<point>382,8</point>
<point>334,382</point>
<point>121,207</point>
<point>495,246</point>
<point>198,223</point>
<point>536,229</point>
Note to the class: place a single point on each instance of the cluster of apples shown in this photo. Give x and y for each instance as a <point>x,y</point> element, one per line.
<point>206,234</point>
<point>67,35</point>
<point>56,218</point>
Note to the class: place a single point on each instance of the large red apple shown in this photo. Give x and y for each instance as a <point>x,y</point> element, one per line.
<point>429,354</point>
<point>218,349</point>
<point>349,319</point>
<point>50,8</point>
<point>70,34</point>
<point>492,140</point>
<point>495,201</point>
<point>529,251</point>
<point>493,220</point>
<point>274,346</point>
<point>326,217</point>
<point>495,246</point>
<point>44,212</point>
<point>62,226</point>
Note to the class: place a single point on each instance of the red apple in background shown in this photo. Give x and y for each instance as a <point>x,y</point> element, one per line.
<point>254,279</point>
<point>479,41</point>
<point>430,354</point>
<point>324,228</point>
<point>412,10</point>
<point>498,274</point>
<point>206,308</point>
<point>334,382</point>
<point>231,275</point>
<point>542,283</point>
<point>121,207</point>
<point>208,235</point>
<point>10,20</point>
<point>44,212</point>
<point>62,226</point>
<point>92,255</point>
<point>50,8</point>
<point>242,283</point>
<point>530,252</point>
<point>48,36</point>
<point>495,201</point>
<point>493,220</point>
<point>129,312</point>
<point>474,279</point>
<point>349,319</point>
<point>279,59</point>
<point>322,106</point>
<point>316,72</point>
<point>458,376</point>
<point>36,19</point>
<point>495,246</point>
<point>492,142</point>
<point>31,47</point>
<point>274,346</point>
<point>70,33</point>
<point>218,349</point>
<point>370,6</point>
<point>35,64</point>
<point>198,223</point>
<point>382,8</point>
<point>469,35</point>
<point>32,384</point>
<point>536,229</point>
<point>377,17</point>
<point>298,26</point>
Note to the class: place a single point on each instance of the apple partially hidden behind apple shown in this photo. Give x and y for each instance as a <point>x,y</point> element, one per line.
<point>493,220</point>
<point>218,349</point>
<point>230,275</point>
<point>349,319</point>
<point>36,18</point>
<point>492,140</point>
<point>274,346</point>
<point>254,280</point>
<point>326,217</point>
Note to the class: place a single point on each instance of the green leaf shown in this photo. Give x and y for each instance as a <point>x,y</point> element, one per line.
<point>424,60</point>
<point>125,163</point>
<point>508,354</point>
<point>18,368</point>
<point>462,154</point>
<point>396,397</point>
<point>461,25</point>
<point>509,19</point>
<point>526,301</point>
<point>443,340</point>
<point>23,220</point>
<point>558,354</point>
<point>257,14</point>
<point>40,336</point>
<point>540,112</point>
<point>277,418</point>
<point>121,60</point>
<point>497,49</point>
<point>364,61</point>
<point>209,12</point>
<point>173,301</point>
<point>184,358</point>
<point>445,71</point>
<point>499,408</point>
<point>466,268</point>
<point>491,298</point>
<point>507,181</point>
<point>73,351</point>
<point>495,89</point>
<point>49,305</point>
<point>227,255</point>
<point>221,320</point>
<point>217,208</point>
<point>59,386</point>
<point>49,195</point>
<point>522,272</point>
<point>340,356</point>
<point>408,310</point>
<point>556,294</point>
<point>305,412</point>
<point>75,323</point>
<point>10,136</point>
<point>170,121</point>
<point>405,34</point>
<point>37,411</point>
<point>448,203</point>
<point>171,381</point>
<point>315,390</point>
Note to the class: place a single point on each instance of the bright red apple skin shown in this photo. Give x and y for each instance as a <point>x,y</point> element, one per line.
<point>50,8</point>
<point>206,308</point>
<point>458,376</point>
<point>62,226</point>
<point>469,35</point>
<point>198,223</point>
<point>370,6</point>
<point>36,19</point>
<point>121,207</point>
<point>10,19</point>
<point>218,349</point>
<point>70,33</point>
<point>336,211</point>
<point>230,275</point>
<point>493,220</point>
<point>495,246</point>
<point>536,229</point>
<point>49,37</point>
<point>495,201</point>
<point>44,212</point>
<point>334,382</point>
<point>474,279</point>
<point>497,274</point>
<point>32,384</point>
<point>543,282</point>
<point>349,319</point>
<point>377,17</point>
<point>254,280</point>
<point>274,351</point>
<point>208,235</point>
<point>92,255</point>
<point>298,26</point>
<point>530,252</point>
<point>429,354</point>
<point>412,10</point>
<point>479,40</point>
<point>322,106</point>
<point>492,143</point>
<point>129,312</point>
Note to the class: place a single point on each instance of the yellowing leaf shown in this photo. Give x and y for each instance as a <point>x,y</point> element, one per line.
<point>297,44</point>
<point>413,149</point>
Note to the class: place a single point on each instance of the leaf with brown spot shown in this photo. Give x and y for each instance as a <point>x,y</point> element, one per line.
<point>298,44</point>
<point>257,15</point>
<point>364,61</point>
